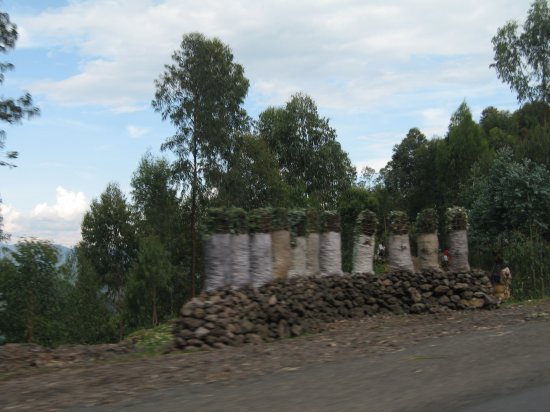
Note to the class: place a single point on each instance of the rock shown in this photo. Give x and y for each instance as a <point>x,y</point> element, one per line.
<point>201,332</point>
<point>440,290</point>
<point>444,300</point>
<point>192,323</point>
<point>199,313</point>
<point>272,300</point>
<point>415,295</point>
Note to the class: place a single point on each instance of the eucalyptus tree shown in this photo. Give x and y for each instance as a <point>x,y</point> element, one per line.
<point>201,93</point>
<point>310,158</point>
<point>11,110</point>
<point>523,59</point>
<point>109,242</point>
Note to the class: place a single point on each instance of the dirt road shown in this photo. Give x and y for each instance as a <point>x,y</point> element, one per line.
<point>456,361</point>
<point>459,373</point>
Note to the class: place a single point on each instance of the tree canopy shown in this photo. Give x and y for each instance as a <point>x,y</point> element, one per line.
<point>523,59</point>
<point>201,93</point>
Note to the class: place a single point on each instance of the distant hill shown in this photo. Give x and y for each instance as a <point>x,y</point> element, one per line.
<point>64,251</point>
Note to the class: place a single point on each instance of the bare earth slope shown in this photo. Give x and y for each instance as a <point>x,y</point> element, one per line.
<point>354,352</point>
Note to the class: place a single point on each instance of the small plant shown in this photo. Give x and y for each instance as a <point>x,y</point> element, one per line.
<point>426,221</point>
<point>399,222</point>
<point>297,222</point>
<point>238,221</point>
<point>457,218</point>
<point>153,341</point>
<point>330,221</point>
<point>280,219</point>
<point>312,221</point>
<point>366,223</point>
<point>217,221</point>
<point>259,220</point>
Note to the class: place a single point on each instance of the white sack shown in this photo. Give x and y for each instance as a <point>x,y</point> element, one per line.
<point>240,260</point>
<point>330,254</point>
<point>399,251</point>
<point>312,254</point>
<point>458,249</point>
<point>260,258</point>
<point>428,251</point>
<point>217,261</point>
<point>282,257</point>
<point>298,267</point>
<point>363,254</point>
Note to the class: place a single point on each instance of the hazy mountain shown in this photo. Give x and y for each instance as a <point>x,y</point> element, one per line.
<point>64,251</point>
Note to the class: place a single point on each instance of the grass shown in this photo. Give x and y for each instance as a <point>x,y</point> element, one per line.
<point>153,341</point>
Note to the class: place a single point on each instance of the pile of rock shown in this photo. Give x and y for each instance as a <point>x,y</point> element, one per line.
<point>292,307</point>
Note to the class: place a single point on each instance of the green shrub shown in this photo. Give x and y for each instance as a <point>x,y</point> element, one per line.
<point>330,221</point>
<point>399,222</point>
<point>366,223</point>
<point>426,221</point>
<point>238,221</point>
<point>259,220</point>
<point>456,219</point>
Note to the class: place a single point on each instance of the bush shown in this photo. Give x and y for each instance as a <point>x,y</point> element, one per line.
<point>529,260</point>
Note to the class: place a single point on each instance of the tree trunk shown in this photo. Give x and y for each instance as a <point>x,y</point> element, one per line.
<point>155,319</point>
<point>30,315</point>
<point>194,218</point>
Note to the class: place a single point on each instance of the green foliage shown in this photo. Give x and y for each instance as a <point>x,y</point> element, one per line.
<point>201,93</point>
<point>297,222</point>
<point>311,161</point>
<point>426,221</point>
<point>312,221</point>
<point>217,221</point>
<point>260,220</point>
<point>456,218</point>
<point>399,222</point>
<point>109,239</point>
<point>2,310</point>
<point>351,203</point>
<point>279,219</point>
<point>330,221</point>
<point>109,243</point>
<point>91,317</point>
<point>153,341</point>
<point>11,110</point>
<point>366,223</point>
<point>35,295</point>
<point>523,60</point>
<point>238,221</point>
<point>149,275</point>
<point>513,197</point>
<point>252,179</point>
<point>529,259</point>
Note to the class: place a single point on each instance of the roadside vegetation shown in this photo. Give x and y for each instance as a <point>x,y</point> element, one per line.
<point>141,254</point>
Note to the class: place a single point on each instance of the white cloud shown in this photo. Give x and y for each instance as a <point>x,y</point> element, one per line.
<point>59,222</point>
<point>348,54</point>
<point>136,132</point>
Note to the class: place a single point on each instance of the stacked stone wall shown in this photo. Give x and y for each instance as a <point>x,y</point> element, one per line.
<point>282,309</point>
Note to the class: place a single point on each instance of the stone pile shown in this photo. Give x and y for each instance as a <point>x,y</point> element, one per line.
<point>282,309</point>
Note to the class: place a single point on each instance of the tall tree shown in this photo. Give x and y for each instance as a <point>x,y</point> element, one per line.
<point>149,274</point>
<point>463,146</point>
<point>253,179</point>
<point>11,110</point>
<point>108,241</point>
<point>523,59</point>
<point>30,288</point>
<point>201,93</point>
<point>305,146</point>
<point>155,200</point>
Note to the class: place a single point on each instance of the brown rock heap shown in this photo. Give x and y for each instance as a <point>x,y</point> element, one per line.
<point>283,309</point>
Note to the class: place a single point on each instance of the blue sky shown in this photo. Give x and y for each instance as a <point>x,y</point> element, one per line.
<point>375,69</point>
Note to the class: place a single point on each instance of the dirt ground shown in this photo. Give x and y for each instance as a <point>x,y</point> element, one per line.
<point>34,379</point>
